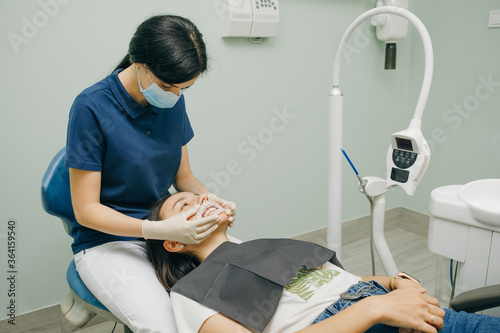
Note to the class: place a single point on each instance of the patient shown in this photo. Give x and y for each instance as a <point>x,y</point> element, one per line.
<point>325,298</point>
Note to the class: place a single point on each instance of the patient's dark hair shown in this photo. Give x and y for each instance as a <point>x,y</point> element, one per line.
<point>170,267</point>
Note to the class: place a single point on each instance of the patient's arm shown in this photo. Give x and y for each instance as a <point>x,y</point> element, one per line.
<point>383,280</point>
<point>396,283</point>
<point>407,308</point>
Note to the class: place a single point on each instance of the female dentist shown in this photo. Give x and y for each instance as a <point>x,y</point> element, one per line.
<point>126,145</point>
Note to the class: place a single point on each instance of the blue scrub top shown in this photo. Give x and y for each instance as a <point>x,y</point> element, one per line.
<point>136,148</point>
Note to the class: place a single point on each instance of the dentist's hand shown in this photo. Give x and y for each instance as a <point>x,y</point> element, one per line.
<point>177,228</point>
<point>228,205</point>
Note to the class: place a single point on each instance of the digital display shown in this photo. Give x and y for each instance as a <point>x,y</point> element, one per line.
<point>404,144</point>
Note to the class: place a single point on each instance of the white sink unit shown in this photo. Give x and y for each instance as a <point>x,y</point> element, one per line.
<point>465,226</point>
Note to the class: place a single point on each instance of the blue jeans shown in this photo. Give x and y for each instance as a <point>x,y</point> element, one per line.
<point>454,322</point>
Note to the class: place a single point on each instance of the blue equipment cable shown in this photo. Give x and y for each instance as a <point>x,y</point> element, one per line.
<point>361,181</point>
<point>451,272</point>
<point>348,160</point>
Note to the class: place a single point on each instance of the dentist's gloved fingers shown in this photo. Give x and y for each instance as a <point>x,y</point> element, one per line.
<point>230,205</point>
<point>231,217</point>
<point>231,211</point>
<point>191,211</point>
<point>178,228</point>
<point>201,236</point>
<point>202,228</point>
<point>204,223</point>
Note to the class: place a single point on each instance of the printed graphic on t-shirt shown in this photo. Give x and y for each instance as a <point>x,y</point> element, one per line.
<point>307,282</point>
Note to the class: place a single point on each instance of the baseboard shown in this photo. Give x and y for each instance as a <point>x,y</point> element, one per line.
<point>50,318</point>
<point>415,222</point>
<point>359,228</point>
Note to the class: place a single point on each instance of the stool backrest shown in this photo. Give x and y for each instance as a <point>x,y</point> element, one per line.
<point>56,194</point>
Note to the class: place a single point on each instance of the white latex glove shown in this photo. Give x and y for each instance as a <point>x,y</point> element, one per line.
<point>177,228</point>
<point>228,205</point>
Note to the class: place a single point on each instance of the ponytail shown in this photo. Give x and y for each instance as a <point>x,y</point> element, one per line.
<point>124,63</point>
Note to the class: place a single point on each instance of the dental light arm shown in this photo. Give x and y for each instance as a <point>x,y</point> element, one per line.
<point>426,41</point>
<point>335,104</point>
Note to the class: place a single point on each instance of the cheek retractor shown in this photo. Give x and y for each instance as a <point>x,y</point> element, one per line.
<point>209,207</point>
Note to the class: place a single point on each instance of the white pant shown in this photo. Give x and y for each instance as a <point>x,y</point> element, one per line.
<point>121,276</point>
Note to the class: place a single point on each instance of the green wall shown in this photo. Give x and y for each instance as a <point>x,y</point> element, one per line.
<point>260,114</point>
<point>462,119</point>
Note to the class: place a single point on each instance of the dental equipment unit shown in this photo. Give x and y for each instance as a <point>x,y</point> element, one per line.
<point>407,158</point>
<point>390,29</point>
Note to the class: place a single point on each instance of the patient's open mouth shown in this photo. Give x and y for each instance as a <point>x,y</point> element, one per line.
<point>208,208</point>
<point>208,211</point>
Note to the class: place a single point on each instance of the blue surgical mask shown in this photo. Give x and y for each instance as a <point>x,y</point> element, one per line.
<point>157,96</point>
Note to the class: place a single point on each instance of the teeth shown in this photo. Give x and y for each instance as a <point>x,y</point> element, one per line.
<point>209,211</point>
<point>208,208</point>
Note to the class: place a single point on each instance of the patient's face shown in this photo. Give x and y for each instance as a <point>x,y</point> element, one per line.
<point>183,201</point>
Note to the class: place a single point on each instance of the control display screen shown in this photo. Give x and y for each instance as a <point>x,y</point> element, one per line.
<point>404,144</point>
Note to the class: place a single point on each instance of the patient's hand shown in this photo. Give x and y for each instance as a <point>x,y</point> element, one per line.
<point>410,308</point>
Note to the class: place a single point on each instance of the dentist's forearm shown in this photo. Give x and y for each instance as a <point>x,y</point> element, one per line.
<point>104,219</point>
<point>89,212</point>
<point>189,184</point>
<point>184,180</point>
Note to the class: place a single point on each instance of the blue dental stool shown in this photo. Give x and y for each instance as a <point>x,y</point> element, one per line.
<point>79,306</point>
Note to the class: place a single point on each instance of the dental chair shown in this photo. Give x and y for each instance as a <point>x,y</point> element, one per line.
<point>79,306</point>
<point>476,300</point>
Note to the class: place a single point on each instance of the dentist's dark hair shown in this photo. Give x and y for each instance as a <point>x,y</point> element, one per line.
<point>169,267</point>
<point>171,46</point>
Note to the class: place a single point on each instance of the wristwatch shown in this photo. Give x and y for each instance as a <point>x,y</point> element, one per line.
<point>401,275</point>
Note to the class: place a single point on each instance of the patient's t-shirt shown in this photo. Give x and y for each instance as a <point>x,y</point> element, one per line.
<point>303,300</point>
